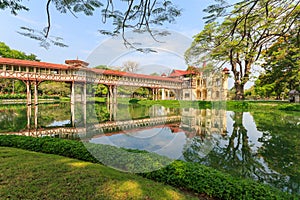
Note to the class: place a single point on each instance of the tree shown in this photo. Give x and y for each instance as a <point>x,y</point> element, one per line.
<point>245,31</point>
<point>130,66</point>
<point>7,52</point>
<point>123,15</point>
<point>101,67</point>
<point>281,66</point>
<point>54,88</point>
<point>11,85</point>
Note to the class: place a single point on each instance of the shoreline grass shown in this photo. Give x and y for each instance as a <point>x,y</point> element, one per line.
<point>195,178</point>
<point>32,175</point>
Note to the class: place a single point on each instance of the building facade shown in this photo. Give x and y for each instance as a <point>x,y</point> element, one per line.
<point>197,85</point>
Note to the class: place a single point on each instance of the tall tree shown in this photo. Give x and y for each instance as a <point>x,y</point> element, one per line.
<point>244,32</point>
<point>281,66</point>
<point>122,14</point>
<point>130,66</point>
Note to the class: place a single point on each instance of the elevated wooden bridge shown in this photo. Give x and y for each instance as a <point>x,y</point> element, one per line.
<point>76,71</point>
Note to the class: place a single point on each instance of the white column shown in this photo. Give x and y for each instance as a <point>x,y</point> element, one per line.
<point>163,94</point>
<point>28,90</point>
<point>36,93</point>
<point>72,93</point>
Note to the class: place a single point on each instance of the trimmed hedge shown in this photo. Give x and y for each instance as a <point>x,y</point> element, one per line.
<point>13,96</point>
<point>190,176</point>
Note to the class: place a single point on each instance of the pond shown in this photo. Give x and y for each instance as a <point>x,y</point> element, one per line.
<point>259,144</point>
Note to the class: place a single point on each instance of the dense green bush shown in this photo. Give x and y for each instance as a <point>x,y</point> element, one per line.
<point>290,107</point>
<point>190,176</point>
<point>24,96</point>
<point>13,96</point>
<point>49,97</point>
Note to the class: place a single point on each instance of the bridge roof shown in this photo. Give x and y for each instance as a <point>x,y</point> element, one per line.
<point>128,74</point>
<point>30,63</point>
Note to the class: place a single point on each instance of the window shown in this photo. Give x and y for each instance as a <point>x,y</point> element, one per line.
<point>198,82</point>
<point>8,68</point>
<point>186,95</point>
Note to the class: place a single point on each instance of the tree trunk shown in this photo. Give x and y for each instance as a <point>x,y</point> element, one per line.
<point>239,91</point>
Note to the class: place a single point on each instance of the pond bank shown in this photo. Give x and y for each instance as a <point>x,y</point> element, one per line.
<point>46,176</point>
<point>189,176</point>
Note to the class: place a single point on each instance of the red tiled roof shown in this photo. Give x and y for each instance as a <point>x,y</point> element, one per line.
<point>128,74</point>
<point>176,73</point>
<point>17,62</point>
<point>25,63</point>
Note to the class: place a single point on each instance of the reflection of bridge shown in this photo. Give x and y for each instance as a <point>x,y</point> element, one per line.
<point>76,71</point>
<point>71,132</point>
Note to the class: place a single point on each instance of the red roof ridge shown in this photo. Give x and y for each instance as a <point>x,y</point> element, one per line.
<point>19,62</point>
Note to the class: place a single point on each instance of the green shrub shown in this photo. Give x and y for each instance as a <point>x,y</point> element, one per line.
<point>134,101</point>
<point>13,96</point>
<point>49,97</point>
<point>190,176</point>
<point>289,107</point>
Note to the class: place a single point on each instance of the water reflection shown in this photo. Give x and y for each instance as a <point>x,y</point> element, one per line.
<point>262,145</point>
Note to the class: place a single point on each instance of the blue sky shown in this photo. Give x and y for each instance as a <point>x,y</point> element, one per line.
<point>83,38</point>
<point>81,34</point>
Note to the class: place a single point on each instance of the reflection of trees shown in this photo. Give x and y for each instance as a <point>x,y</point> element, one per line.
<point>281,146</point>
<point>276,162</point>
<point>13,118</point>
<point>236,157</point>
<point>101,111</point>
<point>48,113</point>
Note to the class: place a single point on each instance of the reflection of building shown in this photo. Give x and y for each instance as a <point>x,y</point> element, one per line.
<point>202,86</point>
<point>294,96</point>
<point>203,122</point>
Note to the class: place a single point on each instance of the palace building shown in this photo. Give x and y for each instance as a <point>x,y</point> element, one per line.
<point>197,85</point>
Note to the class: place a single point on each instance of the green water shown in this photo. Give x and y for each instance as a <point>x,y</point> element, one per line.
<point>261,145</point>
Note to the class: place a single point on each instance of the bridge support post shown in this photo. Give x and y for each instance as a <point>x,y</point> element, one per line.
<point>35,93</point>
<point>153,93</point>
<point>163,94</point>
<point>115,94</point>
<point>73,115</point>
<point>84,104</point>
<point>28,116</point>
<point>168,94</point>
<point>28,91</point>
<point>36,116</point>
<point>84,93</point>
<point>72,93</point>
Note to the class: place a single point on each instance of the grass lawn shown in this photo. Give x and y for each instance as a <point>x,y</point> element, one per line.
<point>31,175</point>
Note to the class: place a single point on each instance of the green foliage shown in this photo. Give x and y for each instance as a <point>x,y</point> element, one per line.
<point>13,96</point>
<point>134,101</point>
<point>6,52</point>
<point>99,90</point>
<point>201,179</point>
<point>262,105</point>
<point>239,35</point>
<point>289,107</point>
<point>281,68</point>
<point>190,176</point>
<point>32,175</point>
<point>54,88</point>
